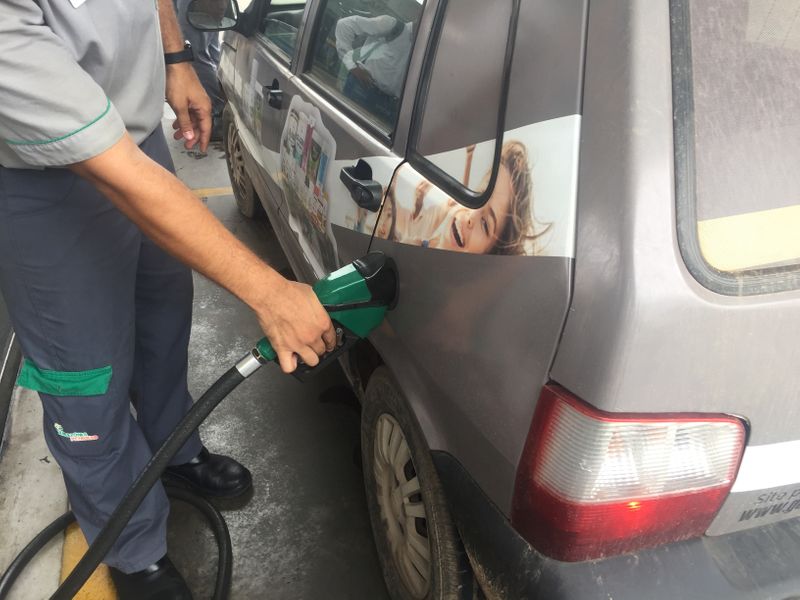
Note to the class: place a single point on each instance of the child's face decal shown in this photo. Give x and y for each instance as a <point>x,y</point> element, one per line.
<point>476,231</point>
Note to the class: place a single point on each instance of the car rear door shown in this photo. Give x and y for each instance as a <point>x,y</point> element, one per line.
<point>481,223</point>
<point>262,62</point>
<point>335,122</point>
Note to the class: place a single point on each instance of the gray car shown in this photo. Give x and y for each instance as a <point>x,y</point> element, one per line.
<point>589,386</point>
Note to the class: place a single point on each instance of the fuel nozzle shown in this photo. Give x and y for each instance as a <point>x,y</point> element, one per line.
<point>356,296</point>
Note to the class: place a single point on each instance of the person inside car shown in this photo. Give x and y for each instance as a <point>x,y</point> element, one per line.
<point>376,68</point>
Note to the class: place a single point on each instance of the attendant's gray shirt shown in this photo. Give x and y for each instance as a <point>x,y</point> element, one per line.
<point>74,75</point>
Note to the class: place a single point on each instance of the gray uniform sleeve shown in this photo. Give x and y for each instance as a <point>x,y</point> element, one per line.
<point>52,113</point>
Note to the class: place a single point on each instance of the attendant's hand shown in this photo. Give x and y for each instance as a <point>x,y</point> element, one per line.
<point>191,104</point>
<point>296,325</point>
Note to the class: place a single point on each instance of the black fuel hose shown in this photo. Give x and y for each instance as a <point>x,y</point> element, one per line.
<point>133,498</point>
<point>208,510</point>
<point>218,525</point>
<point>18,565</point>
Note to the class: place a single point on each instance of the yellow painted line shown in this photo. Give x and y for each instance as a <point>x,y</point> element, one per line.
<point>99,586</point>
<point>211,192</point>
<point>751,239</point>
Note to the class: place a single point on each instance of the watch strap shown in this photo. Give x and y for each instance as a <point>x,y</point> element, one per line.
<point>185,55</point>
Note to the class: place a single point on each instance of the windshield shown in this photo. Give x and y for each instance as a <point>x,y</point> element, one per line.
<point>736,68</point>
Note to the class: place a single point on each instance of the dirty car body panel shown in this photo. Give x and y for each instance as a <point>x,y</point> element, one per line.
<point>605,301</point>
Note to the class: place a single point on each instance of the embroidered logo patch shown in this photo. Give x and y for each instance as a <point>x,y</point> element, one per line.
<point>78,436</point>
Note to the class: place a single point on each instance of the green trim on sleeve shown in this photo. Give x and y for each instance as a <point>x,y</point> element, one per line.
<point>94,382</point>
<point>63,137</point>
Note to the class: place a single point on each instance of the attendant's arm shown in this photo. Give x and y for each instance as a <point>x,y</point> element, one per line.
<point>167,212</point>
<point>184,92</point>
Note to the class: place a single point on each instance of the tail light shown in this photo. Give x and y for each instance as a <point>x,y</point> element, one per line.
<point>592,484</point>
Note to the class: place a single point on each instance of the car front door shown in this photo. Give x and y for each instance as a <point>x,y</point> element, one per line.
<point>336,121</point>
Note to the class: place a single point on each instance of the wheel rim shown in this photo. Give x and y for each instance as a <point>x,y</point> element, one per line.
<point>236,161</point>
<point>403,511</point>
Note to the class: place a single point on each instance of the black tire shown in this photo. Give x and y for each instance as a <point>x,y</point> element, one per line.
<point>449,574</point>
<point>246,198</point>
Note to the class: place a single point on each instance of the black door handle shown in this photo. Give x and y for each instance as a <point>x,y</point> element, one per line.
<point>364,191</point>
<point>274,94</point>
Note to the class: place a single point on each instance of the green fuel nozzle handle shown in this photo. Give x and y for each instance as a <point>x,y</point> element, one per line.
<point>265,350</point>
<point>356,296</point>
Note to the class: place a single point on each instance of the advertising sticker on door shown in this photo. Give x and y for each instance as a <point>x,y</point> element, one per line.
<point>315,196</point>
<point>307,153</point>
<point>531,211</point>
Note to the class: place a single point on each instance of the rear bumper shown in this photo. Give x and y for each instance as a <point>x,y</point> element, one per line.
<point>757,564</point>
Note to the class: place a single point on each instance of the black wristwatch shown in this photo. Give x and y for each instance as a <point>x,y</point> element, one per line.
<point>185,55</point>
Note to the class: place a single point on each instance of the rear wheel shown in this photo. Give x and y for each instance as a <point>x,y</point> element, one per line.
<point>421,555</point>
<point>243,190</point>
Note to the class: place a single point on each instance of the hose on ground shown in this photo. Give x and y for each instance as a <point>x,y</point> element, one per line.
<point>32,549</point>
<point>208,510</point>
<point>133,498</point>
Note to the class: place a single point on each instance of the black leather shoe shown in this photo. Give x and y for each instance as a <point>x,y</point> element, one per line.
<point>159,581</point>
<point>211,475</point>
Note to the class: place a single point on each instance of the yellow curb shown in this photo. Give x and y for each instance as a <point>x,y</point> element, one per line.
<point>99,586</point>
<point>211,192</point>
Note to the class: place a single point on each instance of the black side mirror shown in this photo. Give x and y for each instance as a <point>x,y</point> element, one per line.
<point>213,15</point>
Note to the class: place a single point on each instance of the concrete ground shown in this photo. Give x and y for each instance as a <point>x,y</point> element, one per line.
<point>304,532</point>
<point>32,495</point>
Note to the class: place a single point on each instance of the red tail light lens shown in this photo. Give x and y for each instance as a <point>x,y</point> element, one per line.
<point>592,484</point>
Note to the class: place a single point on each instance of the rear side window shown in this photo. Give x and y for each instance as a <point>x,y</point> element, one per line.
<point>280,25</point>
<point>736,74</point>
<point>460,116</point>
<point>360,54</point>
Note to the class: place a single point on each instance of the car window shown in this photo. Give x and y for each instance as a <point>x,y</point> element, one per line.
<point>736,70</point>
<point>458,118</point>
<point>361,52</point>
<point>281,23</point>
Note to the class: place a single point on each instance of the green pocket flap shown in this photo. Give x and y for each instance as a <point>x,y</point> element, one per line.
<point>94,382</point>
